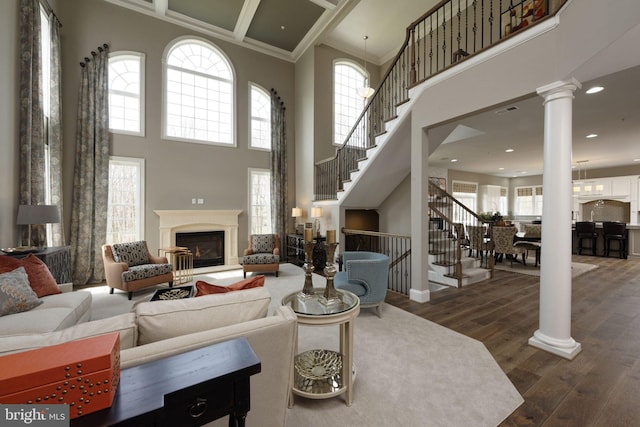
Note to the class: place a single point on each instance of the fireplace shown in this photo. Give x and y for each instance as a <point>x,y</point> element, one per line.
<point>175,222</point>
<point>207,247</point>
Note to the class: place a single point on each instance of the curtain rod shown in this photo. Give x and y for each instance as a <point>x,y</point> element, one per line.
<point>105,46</point>
<point>50,11</point>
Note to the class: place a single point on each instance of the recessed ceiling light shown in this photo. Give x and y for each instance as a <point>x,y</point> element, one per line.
<point>282,27</point>
<point>454,160</point>
<point>592,135</point>
<point>594,89</point>
<point>501,169</point>
<point>636,160</point>
<point>509,150</point>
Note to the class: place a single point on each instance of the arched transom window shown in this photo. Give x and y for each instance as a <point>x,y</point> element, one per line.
<point>199,94</point>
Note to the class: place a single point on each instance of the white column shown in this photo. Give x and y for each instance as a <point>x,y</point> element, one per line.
<point>554,333</point>
<point>419,215</point>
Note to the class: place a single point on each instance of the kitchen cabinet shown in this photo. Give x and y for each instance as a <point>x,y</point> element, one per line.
<point>620,187</point>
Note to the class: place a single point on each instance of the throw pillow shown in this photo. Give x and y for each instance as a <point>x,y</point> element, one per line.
<point>40,278</point>
<point>204,288</point>
<point>16,295</point>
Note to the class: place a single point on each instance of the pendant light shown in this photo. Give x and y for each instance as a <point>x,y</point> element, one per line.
<point>366,91</point>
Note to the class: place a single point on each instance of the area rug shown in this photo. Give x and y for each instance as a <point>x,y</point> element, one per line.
<point>577,268</point>
<point>409,371</point>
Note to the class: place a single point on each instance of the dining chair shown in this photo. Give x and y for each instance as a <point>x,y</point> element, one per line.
<point>503,241</point>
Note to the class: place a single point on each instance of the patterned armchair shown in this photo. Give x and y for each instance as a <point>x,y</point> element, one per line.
<point>262,255</point>
<point>503,240</point>
<point>130,267</point>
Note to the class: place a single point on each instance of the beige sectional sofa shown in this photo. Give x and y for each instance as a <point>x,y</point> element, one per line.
<point>162,328</point>
<point>56,312</point>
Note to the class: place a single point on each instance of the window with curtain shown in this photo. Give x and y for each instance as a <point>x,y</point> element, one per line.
<point>260,129</point>
<point>126,93</point>
<point>199,94</point>
<point>528,200</point>
<point>348,77</point>
<point>467,194</point>
<point>125,213</point>
<point>260,201</point>
<point>45,82</point>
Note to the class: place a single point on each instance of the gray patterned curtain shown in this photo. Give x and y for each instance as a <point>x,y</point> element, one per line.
<point>91,173</point>
<point>32,130</point>
<point>54,133</point>
<point>40,137</point>
<point>278,169</point>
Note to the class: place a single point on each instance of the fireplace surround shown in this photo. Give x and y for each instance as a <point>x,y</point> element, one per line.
<point>185,221</point>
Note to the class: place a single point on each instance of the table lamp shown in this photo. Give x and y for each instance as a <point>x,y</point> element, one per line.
<point>296,213</point>
<point>317,214</point>
<point>38,215</point>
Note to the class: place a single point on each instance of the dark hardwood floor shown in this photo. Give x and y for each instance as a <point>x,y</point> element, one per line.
<point>600,387</point>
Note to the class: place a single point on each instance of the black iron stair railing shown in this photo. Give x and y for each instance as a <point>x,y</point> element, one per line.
<point>451,32</point>
<point>456,234</point>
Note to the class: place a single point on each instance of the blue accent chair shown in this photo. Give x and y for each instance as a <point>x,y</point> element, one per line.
<point>366,275</point>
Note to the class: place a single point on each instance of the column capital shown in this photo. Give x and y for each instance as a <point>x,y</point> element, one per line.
<point>559,89</point>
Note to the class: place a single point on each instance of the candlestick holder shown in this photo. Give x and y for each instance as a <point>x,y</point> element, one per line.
<point>307,290</point>
<point>330,295</point>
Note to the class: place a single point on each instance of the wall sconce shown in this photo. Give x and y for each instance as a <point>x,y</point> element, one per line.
<point>38,215</point>
<point>317,214</point>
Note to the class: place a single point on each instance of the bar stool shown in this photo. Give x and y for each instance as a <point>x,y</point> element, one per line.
<point>586,230</point>
<point>616,231</point>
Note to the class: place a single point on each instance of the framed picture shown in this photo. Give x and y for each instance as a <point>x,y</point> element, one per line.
<point>440,182</point>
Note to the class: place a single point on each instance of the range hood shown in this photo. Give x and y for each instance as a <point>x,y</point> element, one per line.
<point>621,198</point>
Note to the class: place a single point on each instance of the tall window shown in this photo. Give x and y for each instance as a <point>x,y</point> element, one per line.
<point>260,131</point>
<point>199,94</point>
<point>125,213</point>
<point>347,104</point>
<point>259,201</point>
<point>45,84</point>
<point>528,200</point>
<point>126,93</point>
<point>467,194</point>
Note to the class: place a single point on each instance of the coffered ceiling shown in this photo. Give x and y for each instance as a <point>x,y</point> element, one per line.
<point>286,28</point>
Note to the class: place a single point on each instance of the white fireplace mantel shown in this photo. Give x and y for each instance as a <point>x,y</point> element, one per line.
<point>180,221</point>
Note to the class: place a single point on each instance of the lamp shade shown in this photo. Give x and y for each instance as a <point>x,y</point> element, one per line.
<point>316,212</point>
<point>38,214</point>
<point>296,212</point>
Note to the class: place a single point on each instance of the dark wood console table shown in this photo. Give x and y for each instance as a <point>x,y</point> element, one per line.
<point>188,389</point>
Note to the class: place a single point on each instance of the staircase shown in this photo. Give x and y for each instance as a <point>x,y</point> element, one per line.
<point>376,156</point>
<point>452,242</point>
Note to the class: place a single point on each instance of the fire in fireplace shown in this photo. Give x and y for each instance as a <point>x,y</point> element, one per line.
<point>207,247</point>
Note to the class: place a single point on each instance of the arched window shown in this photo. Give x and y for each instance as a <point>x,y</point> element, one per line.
<point>199,94</point>
<point>126,92</point>
<point>348,77</point>
<point>260,130</point>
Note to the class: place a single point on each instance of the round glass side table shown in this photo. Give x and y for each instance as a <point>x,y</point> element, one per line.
<point>319,373</point>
